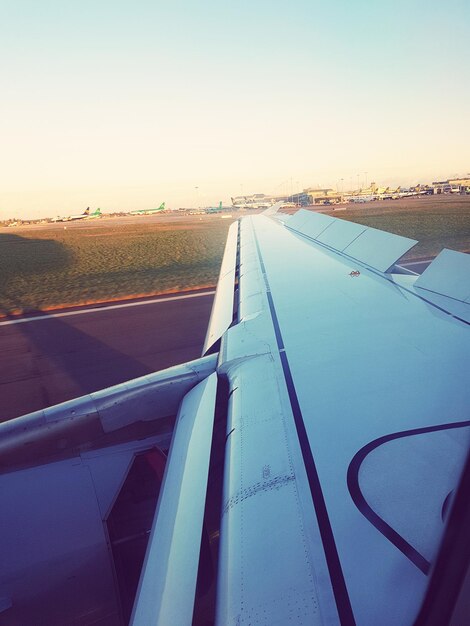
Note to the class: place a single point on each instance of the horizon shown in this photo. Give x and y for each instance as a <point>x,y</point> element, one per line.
<point>124,107</point>
<point>286,185</point>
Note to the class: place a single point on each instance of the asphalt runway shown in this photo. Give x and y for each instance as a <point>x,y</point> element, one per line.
<point>416,266</point>
<point>67,354</point>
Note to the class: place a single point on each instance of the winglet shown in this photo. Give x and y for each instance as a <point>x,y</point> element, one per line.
<point>272,209</point>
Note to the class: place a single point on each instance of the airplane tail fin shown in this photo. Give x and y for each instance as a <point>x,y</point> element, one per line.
<point>162,206</point>
<point>86,211</point>
<point>220,205</point>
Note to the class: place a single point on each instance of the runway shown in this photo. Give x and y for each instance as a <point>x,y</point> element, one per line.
<point>98,308</point>
<point>51,358</point>
<point>417,266</point>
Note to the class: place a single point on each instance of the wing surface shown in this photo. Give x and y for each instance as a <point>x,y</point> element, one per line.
<point>348,427</point>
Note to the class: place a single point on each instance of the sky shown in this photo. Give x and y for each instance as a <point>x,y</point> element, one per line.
<point>123,104</point>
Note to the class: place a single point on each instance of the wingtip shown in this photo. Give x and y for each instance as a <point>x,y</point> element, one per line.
<point>272,209</point>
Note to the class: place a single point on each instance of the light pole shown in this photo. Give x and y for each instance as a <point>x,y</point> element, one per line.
<point>197,197</point>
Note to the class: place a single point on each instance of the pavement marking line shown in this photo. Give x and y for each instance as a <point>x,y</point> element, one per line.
<point>36,318</point>
<point>422,262</point>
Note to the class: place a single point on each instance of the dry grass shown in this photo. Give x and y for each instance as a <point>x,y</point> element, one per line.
<point>47,267</point>
<point>103,260</point>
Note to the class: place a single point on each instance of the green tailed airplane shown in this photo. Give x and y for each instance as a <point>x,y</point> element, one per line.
<point>86,215</point>
<point>148,211</point>
<point>215,209</point>
<point>96,213</point>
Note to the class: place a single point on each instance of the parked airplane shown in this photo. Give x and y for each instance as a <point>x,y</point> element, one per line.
<point>213,209</point>
<point>86,215</point>
<point>255,205</point>
<point>91,216</point>
<point>148,211</point>
<point>309,468</point>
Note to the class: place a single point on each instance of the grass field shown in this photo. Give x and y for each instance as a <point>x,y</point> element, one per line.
<point>52,266</point>
<point>49,266</point>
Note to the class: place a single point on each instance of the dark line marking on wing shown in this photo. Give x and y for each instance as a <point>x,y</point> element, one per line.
<point>359,500</point>
<point>338,583</point>
<point>445,505</point>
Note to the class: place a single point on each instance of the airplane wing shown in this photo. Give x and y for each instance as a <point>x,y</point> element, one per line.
<point>316,448</point>
<point>349,425</point>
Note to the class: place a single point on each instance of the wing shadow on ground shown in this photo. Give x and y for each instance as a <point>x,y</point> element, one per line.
<point>22,259</point>
<point>49,361</point>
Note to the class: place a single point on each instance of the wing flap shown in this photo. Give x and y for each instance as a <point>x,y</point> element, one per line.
<point>375,248</point>
<point>379,249</point>
<point>340,234</point>
<point>310,224</point>
<point>168,582</point>
<point>448,275</point>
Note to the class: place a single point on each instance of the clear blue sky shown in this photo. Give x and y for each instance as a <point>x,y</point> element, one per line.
<point>124,104</point>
